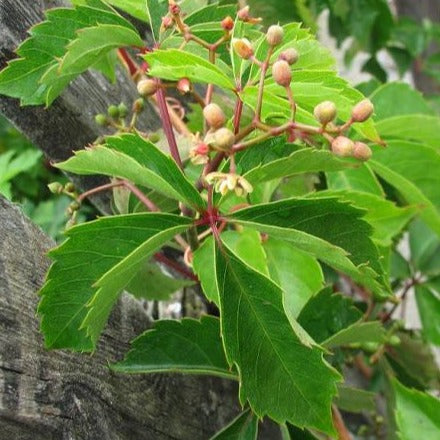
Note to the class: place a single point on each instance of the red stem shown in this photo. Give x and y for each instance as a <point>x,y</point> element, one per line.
<point>141,196</point>
<point>176,266</point>
<point>131,65</point>
<point>167,126</point>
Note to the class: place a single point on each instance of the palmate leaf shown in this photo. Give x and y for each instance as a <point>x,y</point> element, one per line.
<point>243,427</point>
<point>187,346</point>
<point>133,158</point>
<point>35,77</point>
<point>90,269</point>
<point>280,377</point>
<point>330,229</point>
<point>417,413</point>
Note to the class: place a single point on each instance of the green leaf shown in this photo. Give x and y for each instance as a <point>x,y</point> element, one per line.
<point>136,8</point>
<point>93,42</point>
<point>297,273</point>
<point>387,219</point>
<point>417,414</point>
<point>327,313</point>
<point>243,427</point>
<point>152,284</point>
<point>307,160</point>
<point>355,400</point>
<point>133,158</point>
<point>418,128</point>
<point>404,165</point>
<point>202,265</point>
<point>156,9</point>
<point>428,304</point>
<point>410,101</point>
<point>357,333</point>
<point>41,55</point>
<point>269,356</point>
<point>425,249</point>
<point>361,179</point>
<point>188,346</point>
<point>327,228</point>
<point>91,268</point>
<point>174,64</point>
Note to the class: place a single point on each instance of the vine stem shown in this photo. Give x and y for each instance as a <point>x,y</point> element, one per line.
<point>343,432</point>
<point>176,266</point>
<point>167,126</point>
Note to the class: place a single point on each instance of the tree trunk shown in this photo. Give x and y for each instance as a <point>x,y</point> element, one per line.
<point>47,395</point>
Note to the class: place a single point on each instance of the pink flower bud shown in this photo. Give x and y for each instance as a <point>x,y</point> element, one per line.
<point>289,55</point>
<point>214,115</point>
<point>342,146</point>
<point>147,87</point>
<point>282,73</point>
<point>228,23</point>
<point>167,22</point>
<point>362,111</point>
<point>243,14</point>
<point>274,35</point>
<point>325,112</point>
<point>184,86</point>
<point>243,47</point>
<point>362,151</point>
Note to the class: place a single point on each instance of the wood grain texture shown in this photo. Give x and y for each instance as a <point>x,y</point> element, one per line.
<point>61,395</point>
<point>68,124</point>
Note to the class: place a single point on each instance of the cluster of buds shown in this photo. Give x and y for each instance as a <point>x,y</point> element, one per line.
<point>114,113</point>
<point>226,182</point>
<point>326,112</point>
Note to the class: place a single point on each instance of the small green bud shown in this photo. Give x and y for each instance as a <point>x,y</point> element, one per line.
<point>370,347</point>
<point>214,116</point>
<point>138,105</point>
<point>223,139</point>
<point>281,72</point>
<point>274,35</point>
<point>69,187</point>
<point>74,206</point>
<point>147,87</point>
<point>154,138</point>
<point>113,111</point>
<point>394,340</point>
<point>362,111</point>
<point>101,119</point>
<point>342,146</point>
<point>325,112</point>
<point>289,55</point>
<point>55,187</point>
<point>362,151</point>
<point>123,110</point>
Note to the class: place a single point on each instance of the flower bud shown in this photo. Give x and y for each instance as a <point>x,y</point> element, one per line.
<point>289,55</point>
<point>138,105</point>
<point>174,8</point>
<point>223,139</point>
<point>101,119</point>
<point>147,87</point>
<point>362,151</point>
<point>214,115</point>
<point>342,146</point>
<point>153,138</point>
<point>184,86</point>
<point>362,111</point>
<point>113,111</point>
<point>325,112</point>
<point>243,14</point>
<point>122,110</point>
<point>243,47</point>
<point>228,23</point>
<point>274,35</point>
<point>394,340</point>
<point>69,187</point>
<point>55,187</point>
<point>282,73</point>
<point>167,22</point>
